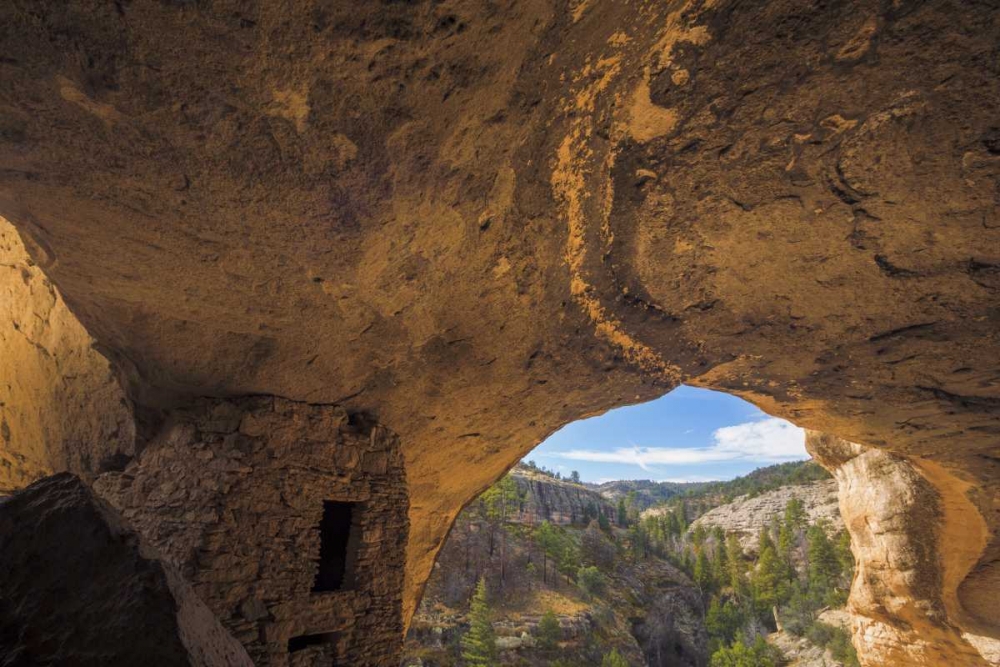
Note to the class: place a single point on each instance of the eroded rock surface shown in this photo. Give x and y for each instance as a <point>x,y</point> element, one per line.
<point>746,516</point>
<point>481,220</point>
<point>560,502</point>
<point>61,407</point>
<point>910,559</point>
<point>78,587</point>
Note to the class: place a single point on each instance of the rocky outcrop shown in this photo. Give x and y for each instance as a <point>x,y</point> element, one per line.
<point>80,588</point>
<point>746,516</point>
<point>913,544</point>
<point>800,652</point>
<point>558,501</point>
<point>61,407</point>
<point>481,221</point>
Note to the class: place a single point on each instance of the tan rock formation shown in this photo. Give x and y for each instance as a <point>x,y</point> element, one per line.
<point>61,408</point>
<point>747,516</point>
<point>481,220</point>
<point>557,501</point>
<point>911,556</point>
<point>81,588</point>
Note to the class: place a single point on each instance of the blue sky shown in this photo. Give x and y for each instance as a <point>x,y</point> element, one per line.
<point>688,435</point>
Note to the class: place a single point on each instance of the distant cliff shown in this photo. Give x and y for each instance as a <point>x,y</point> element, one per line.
<point>745,516</point>
<point>559,501</point>
<point>647,492</point>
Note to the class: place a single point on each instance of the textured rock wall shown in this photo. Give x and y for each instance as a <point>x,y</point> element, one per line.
<point>483,220</point>
<point>79,587</point>
<point>61,407</point>
<point>910,559</point>
<point>232,492</point>
<point>746,516</point>
<point>557,501</point>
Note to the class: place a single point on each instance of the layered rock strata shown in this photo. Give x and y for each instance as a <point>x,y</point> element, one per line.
<point>561,502</point>
<point>746,516</point>
<point>79,587</point>
<point>61,407</point>
<point>912,551</point>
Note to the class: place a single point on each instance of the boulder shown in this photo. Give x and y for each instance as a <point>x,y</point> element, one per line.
<point>77,587</point>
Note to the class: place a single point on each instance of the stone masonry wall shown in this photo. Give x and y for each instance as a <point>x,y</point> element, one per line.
<point>233,493</point>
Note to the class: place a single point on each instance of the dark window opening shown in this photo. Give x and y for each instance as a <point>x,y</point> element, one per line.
<point>296,644</point>
<point>338,544</point>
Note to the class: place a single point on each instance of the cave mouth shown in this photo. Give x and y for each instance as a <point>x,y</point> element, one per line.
<point>339,541</point>
<point>611,540</point>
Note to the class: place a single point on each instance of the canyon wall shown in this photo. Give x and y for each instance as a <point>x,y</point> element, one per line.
<point>746,516</point>
<point>61,407</point>
<point>478,222</point>
<point>915,536</point>
<point>560,502</point>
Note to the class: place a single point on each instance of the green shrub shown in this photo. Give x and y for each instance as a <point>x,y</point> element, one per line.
<point>614,659</point>
<point>590,580</point>
<point>549,631</point>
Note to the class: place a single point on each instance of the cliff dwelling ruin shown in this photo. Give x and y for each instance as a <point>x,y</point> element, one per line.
<point>270,272</point>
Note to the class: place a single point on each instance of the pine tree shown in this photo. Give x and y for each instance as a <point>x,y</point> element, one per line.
<point>479,646</point>
<point>703,573</point>
<point>548,541</point>
<point>736,566</point>
<point>549,631</point>
<point>767,581</point>
<point>614,659</point>
<point>824,566</point>
<point>795,514</point>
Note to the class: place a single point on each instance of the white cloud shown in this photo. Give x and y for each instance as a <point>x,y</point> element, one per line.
<point>688,479</point>
<point>769,440</point>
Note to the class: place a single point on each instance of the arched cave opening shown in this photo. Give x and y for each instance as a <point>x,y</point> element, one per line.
<point>613,536</point>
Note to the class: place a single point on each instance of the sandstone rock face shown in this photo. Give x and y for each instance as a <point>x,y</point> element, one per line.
<point>61,407</point>
<point>556,501</point>
<point>80,588</point>
<point>482,220</point>
<point>746,516</point>
<point>800,652</point>
<point>236,494</point>
<point>905,606</point>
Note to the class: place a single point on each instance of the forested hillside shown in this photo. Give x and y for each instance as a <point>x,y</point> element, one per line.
<point>618,586</point>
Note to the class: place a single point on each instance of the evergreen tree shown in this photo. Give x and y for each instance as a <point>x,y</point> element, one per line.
<point>734,555</point>
<point>614,659</point>
<point>767,582</point>
<point>590,580</point>
<point>720,561</point>
<point>549,631</point>
<point>479,646</point>
<point>596,548</point>
<point>622,513</point>
<point>824,566</point>
<point>703,573</point>
<point>723,622</point>
<point>795,514</point>
<point>758,654</point>
<point>548,541</point>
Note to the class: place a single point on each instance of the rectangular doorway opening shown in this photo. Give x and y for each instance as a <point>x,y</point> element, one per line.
<point>302,642</point>
<point>338,546</point>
